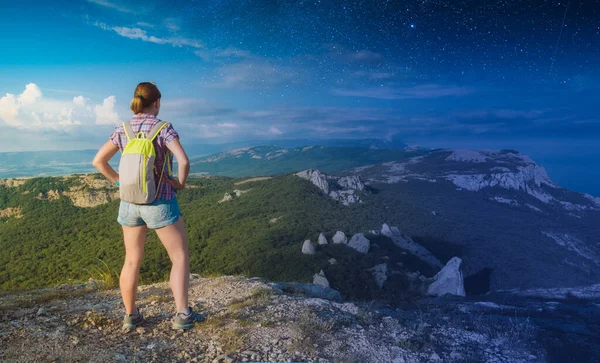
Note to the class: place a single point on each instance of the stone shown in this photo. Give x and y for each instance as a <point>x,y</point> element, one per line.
<point>322,239</point>
<point>339,237</point>
<point>332,261</point>
<point>308,248</point>
<point>449,280</point>
<point>380,274</point>
<point>320,279</point>
<point>42,311</point>
<point>360,243</point>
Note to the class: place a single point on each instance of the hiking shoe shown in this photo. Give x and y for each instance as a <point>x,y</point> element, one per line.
<point>182,321</point>
<point>131,320</point>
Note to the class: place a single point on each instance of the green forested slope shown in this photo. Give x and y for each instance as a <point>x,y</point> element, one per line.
<point>57,242</point>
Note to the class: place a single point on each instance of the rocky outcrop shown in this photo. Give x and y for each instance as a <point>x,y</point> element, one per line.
<point>380,274</point>
<point>308,248</point>
<point>347,197</point>
<point>13,183</point>
<point>226,198</point>
<point>92,198</point>
<point>322,239</point>
<point>449,280</point>
<point>11,212</point>
<point>351,182</point>
<point>342,189</point>
<point>339,237</point>
<point>360,243</point>
<point>408,244</point>
<point>317,178</point>
<point>320,279</point>
<point>236,193</point>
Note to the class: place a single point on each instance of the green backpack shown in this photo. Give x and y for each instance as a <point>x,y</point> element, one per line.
<point>137,169</point>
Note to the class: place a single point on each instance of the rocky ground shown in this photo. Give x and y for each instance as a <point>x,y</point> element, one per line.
<point>254,320</point>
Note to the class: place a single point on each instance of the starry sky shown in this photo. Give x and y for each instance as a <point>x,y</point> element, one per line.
<point>435,73</point>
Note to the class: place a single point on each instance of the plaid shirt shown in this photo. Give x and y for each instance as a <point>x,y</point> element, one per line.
<point>143,122</point>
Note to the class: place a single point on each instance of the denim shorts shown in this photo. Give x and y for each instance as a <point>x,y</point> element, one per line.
<point>158,214</point>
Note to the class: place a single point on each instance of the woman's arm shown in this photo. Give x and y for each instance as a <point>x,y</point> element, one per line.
<point>106,152</point>
<point>183,163</point>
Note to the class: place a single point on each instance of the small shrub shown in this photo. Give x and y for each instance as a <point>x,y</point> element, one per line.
<point>105,276</point>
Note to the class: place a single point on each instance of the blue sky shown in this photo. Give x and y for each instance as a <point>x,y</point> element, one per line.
<point>433,73</point>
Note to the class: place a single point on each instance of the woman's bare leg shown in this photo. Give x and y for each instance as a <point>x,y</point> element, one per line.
<point>135,238</point>
<point>174,238</point>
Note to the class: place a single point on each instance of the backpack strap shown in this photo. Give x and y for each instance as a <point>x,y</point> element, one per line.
<point>156,129</point>
<point>154,132</point>
<point>128,130</point>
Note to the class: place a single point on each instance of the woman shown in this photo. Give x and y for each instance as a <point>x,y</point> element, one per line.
<point>162,215</point>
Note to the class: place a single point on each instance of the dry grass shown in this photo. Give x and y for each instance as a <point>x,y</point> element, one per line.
<point>311,328</point>
<point>160,298</point>
<point>260,297</point>
<point>105,277</point>
<point>232,340</point>
<point>29,300</point>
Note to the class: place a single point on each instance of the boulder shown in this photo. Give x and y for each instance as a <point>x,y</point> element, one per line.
<point>320,279</point>
<point>449,280</point>
<point>332,261</point>
<point>360,243</point>
<point>339,237</point>
<point>322,239</point>
<point>308,248</point>
<point>380,274</point>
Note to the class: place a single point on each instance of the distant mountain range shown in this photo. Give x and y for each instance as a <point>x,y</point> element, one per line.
<point>47,163</point>
<point>274,160</point>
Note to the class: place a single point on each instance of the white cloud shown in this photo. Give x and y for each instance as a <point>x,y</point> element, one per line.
<point>80,101</point>
<point>228,125</point>
<point>172,24</point>
<point>257,74</point>
<point>113,6</point>
<point>141,34</point>
<point>420,91</point>
<point>275,131</point>
<point>31,110</point>
<point>106,113</point>
<point>218,54</point>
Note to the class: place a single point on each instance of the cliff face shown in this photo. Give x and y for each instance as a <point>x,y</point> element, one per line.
<point>255,320</point>
<point>86,191</point>
<point>11,212</point>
